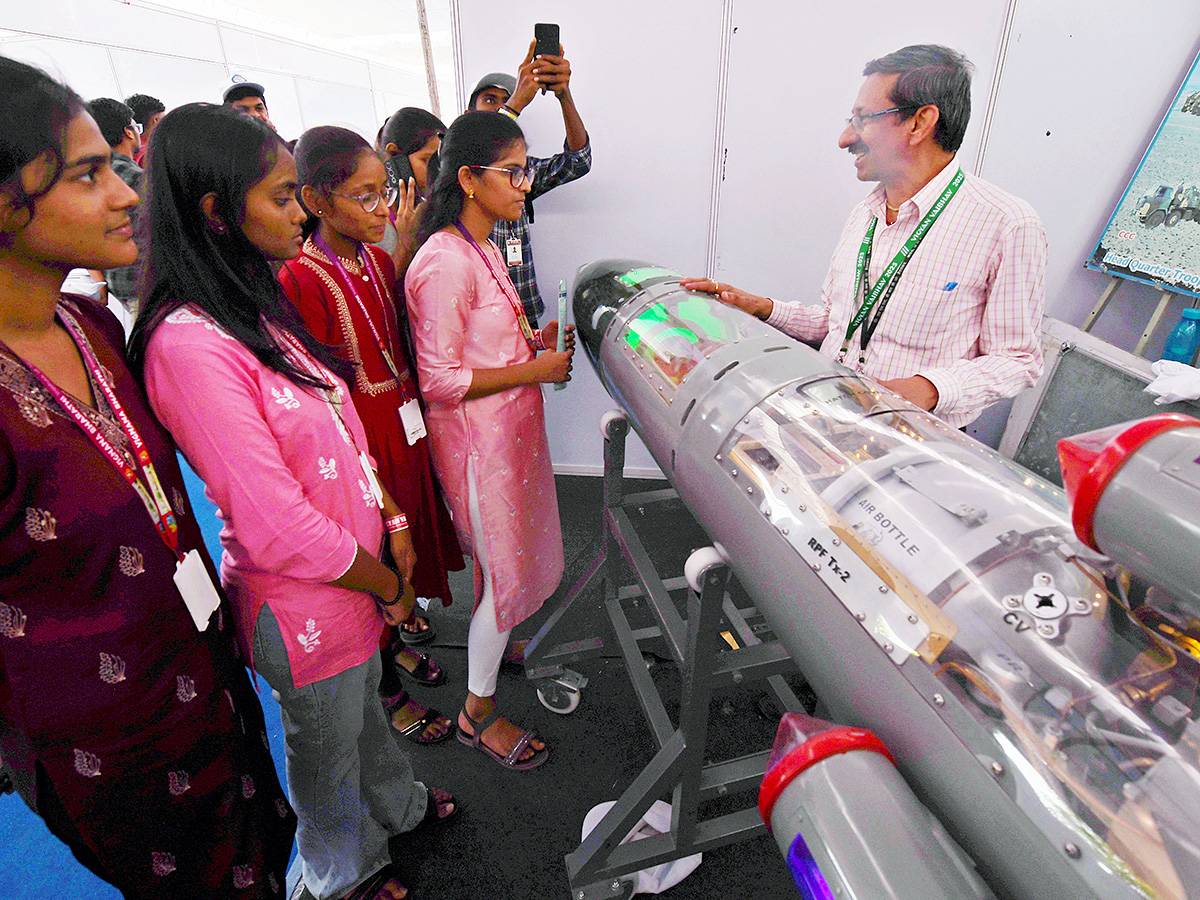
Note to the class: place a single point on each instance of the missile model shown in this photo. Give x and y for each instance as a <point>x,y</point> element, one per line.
<point>1038,700</point>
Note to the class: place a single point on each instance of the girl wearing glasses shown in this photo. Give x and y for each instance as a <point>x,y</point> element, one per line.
<point>480,365</point>
<point>261,410</point>
<point>343,289</point>
<point>128,721</point>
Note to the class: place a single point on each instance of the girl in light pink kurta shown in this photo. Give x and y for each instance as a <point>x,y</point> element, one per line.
<point>263,412</point>
<point>480,369</point>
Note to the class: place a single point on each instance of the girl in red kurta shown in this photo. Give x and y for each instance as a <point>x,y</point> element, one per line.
<point>481,371</point>
<point>343,288</point>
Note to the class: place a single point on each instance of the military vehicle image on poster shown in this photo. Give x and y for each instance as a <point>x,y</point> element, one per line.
<point>1153,235</point>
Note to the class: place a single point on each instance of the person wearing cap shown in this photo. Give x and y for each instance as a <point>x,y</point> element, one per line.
<point>502,93</point>
<point>248,97</point>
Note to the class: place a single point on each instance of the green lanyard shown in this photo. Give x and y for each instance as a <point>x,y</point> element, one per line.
<point>882,291</point>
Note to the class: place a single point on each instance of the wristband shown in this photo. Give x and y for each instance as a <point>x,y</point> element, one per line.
<point>538,343</point>
<point>395,523</point>
<point>509,111</point>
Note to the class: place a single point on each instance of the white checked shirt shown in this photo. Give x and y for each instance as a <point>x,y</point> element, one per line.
<point>967,309</point>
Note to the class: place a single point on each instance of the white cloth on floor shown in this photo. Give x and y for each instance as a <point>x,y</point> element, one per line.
<point>657,820</point>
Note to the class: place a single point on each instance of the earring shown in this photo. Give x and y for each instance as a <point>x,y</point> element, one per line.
<point>219,229</point>
<point>318,212</point>
<point>470,195</point>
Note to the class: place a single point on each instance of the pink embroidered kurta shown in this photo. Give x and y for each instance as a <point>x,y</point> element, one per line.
<point>283,470</point>
<point>462,320</point>
<point>336,313</point>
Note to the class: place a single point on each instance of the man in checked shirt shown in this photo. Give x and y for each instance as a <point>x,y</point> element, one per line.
<point>500,92</point>
<point>936,286</point>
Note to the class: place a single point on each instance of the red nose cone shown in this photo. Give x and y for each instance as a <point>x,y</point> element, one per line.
<point>1090,460</point>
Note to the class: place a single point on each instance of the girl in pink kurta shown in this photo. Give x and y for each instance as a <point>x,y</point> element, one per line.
<point>260,409</point>
<point>479,366</point>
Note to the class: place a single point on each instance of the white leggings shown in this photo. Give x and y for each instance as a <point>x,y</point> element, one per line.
<point>485,642</point>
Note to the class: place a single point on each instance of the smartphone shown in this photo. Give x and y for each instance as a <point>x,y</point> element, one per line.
<point>546,40</point>
<point>399,170</point>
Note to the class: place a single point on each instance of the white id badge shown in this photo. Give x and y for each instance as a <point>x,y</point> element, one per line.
<point>513,248</point>
<point>411,421</point>
<point>372,481</point>
<point>196,588</point>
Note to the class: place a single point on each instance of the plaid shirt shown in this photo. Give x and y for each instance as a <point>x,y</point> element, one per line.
<point>546,175</point>
<point>122,282</point>
<point>967,310</point>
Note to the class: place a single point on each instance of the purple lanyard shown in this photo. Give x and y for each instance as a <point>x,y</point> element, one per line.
<point>505,286</point>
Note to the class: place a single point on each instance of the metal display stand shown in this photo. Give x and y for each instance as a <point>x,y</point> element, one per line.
<point>601,867</point>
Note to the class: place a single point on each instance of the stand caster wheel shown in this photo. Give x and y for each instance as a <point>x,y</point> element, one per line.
<point>561,693</point>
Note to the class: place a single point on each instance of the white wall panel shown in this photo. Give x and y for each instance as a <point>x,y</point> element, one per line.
<point>1084,87</point>
<point>243,48</point>
<point>115,24</point>
<point>172,80</point>
<point>651,117</point>
<point>794,71</point>
<point>85,67</point>
<point>322,103</point>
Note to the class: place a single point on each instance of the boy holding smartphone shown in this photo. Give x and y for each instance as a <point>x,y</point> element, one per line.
<point>500,92</point>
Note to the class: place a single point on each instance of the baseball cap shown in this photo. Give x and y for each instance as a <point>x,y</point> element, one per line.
<point>240,89</point>
<point>502,80</point>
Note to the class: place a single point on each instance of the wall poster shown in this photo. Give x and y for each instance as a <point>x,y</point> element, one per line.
<point>1153,235</point>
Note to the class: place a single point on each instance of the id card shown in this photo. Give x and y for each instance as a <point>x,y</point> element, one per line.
<point>411,421</point>
<point>196,588</point>
<point>513,250</point>
<point>372,481</point>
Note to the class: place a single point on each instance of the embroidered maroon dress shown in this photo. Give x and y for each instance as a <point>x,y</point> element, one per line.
<point>145,736</point>
<point>333,314</point>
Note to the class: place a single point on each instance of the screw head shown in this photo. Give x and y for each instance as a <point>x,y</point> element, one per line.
<point>939,700</point>
<point>912,620</point>
<point>997,769</point>
<point>888,648</point>
<point>1072,850</point>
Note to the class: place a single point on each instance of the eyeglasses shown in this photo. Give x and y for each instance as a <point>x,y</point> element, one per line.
<point>370,200</point>
<point>516,174</point>
<point>857,120</point>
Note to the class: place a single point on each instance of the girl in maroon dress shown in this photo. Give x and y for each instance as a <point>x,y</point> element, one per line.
<point>343,288</point>
<point>129,724</point>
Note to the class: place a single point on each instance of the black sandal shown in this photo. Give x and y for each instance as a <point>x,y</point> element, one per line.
<point>420,673</point>
<point>415,731</point>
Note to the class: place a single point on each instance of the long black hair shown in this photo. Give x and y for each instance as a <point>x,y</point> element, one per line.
<point>35,111</point>
<point>410,129</point>
<point>473,139</point>
<point>202,149</point>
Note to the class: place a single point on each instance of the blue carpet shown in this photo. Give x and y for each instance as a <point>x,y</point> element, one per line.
<point>33,863</point>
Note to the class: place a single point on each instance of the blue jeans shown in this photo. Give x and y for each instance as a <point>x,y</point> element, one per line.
<point>349,782</point>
